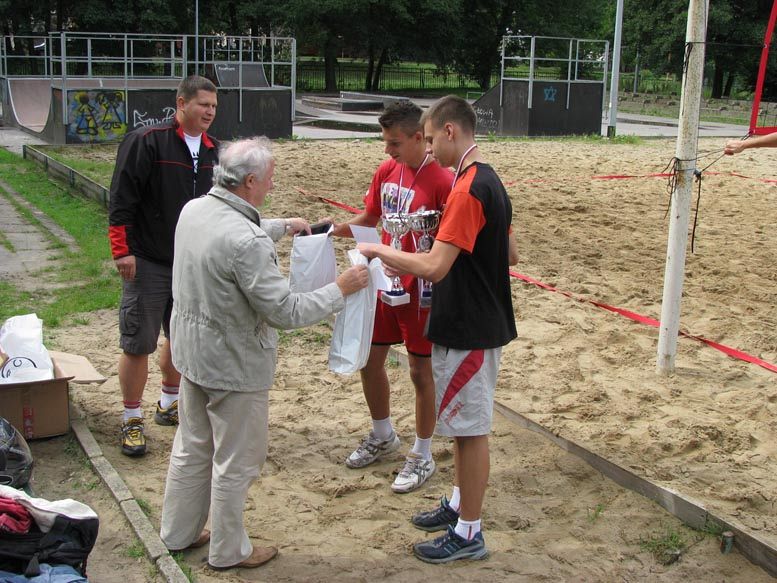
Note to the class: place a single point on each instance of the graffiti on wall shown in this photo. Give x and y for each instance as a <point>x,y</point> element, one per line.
<point>143,118</point>
<point>96,115</point>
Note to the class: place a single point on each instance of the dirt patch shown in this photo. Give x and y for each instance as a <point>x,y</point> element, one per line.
<point>63,471</point>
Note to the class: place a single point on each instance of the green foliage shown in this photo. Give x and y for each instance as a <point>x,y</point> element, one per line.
<point>145,506</point>
<point>135,550</point>
<point>185,567</point>
<point>595,513</point>
<point>666,548</point>
<point>5,242</point>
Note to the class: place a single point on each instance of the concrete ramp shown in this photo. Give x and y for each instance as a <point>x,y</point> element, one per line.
<point>228,74</point>
<point>30,102</point>
<point>541,108</point>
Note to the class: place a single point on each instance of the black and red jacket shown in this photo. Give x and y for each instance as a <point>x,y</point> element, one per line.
<point>153,179</point>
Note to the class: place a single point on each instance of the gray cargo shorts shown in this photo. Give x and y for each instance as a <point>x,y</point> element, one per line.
<point>146,305</point>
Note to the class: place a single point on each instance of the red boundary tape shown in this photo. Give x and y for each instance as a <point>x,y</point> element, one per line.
<point>732,352</point>
<point>654,175</point>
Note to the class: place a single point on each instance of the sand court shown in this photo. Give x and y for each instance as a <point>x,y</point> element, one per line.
<point>587,374</point>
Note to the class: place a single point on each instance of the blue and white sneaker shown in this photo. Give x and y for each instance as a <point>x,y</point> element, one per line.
<point>438,519</point>
<point>451,547</point>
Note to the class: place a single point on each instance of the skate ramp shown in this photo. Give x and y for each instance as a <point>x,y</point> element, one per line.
<point>29,102</point>
<point>228,74</point>
<point>558,108</point>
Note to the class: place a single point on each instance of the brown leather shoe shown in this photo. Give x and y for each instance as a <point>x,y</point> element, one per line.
<point>201,540</point>
<point>258,557</point>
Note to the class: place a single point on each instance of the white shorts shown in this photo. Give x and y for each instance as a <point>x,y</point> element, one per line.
<point>464,383</point>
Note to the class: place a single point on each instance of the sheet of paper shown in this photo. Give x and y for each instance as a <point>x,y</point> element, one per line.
<point>365,234</point>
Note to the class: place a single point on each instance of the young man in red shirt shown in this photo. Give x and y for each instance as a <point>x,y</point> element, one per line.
<point>408,182</point>
<point>471,319</point>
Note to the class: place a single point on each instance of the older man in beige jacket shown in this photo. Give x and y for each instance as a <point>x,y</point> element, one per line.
<point>229,297</point>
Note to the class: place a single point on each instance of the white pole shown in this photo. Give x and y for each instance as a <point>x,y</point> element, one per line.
<point>616,69</point>
<point>690,103</point>
<point>196,37</point>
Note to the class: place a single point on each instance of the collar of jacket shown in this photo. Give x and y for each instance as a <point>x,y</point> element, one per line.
<point>236,203</point>
<point>205,137</point>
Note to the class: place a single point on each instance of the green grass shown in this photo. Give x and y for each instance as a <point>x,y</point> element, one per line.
<point>6,243</point>
<point>95,162</point>
<point>135,551</point>
<point>186,568</point>
<point>314,335</point>
<point>666,548</point>
<point>144,506</point>
<point>86,278</point>
<point>595,513</point>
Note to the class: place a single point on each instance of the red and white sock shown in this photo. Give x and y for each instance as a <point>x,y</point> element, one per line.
<point>168,396</point>
<point>467,529</point>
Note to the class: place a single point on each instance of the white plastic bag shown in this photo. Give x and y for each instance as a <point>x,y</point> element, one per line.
<point>352,335</point>
<point>28,360</point>
<point>312,263</point>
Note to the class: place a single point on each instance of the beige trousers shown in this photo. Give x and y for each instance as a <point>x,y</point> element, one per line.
<point>218,451</point>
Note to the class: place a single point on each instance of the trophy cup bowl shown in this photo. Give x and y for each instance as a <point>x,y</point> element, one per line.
<point>397,226</point>
<point>424,222</point>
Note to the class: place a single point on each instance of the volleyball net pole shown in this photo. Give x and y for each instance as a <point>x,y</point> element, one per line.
<point>685,164</point>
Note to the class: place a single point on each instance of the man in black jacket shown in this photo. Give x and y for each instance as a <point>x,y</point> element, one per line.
<point>158,170</point>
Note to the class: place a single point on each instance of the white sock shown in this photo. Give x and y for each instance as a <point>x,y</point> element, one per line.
<point>168,396</point>
<point>467,529</point>
<point>455,500</point>
<point>382,428</point>
<point>130,412</point>
<point>423,447</point>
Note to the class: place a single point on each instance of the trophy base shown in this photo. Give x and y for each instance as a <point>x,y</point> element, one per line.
<point>425,301</point>
<point>395,299</point>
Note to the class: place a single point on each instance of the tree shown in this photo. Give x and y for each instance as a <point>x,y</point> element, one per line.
<point>734,36</point>
<point>484,23</point>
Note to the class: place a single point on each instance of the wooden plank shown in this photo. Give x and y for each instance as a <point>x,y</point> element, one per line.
<point>691,512</point>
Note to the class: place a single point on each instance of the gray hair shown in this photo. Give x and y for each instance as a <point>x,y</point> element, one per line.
<point>240,158</point>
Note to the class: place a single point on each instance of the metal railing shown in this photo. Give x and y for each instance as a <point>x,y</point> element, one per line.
<point>65,56</point>
<point>573,60</point>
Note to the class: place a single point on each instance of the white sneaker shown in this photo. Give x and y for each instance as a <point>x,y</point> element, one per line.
<point>416,471</point>
<point>371,448</point>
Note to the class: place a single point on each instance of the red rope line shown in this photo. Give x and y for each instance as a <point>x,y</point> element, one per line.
<point>727,350</point>
<point>631,176</point>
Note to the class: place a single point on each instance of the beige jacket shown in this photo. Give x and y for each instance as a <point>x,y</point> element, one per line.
<point>229,296</point>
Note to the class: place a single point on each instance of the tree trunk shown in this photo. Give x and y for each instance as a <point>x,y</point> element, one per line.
<point>330,64</point>
<point>370,66</point>
<point>728,86</point>
<point>379,69</point>
<point>717,81</point>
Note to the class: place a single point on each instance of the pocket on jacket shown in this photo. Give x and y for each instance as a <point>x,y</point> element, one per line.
<point>129,317</point>
<point>268,336</point>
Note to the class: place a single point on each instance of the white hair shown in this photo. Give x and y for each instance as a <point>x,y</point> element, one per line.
<point>240,158</point>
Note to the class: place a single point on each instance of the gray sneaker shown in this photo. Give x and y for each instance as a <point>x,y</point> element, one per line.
<point>370,449</point>
<point>416,471</point>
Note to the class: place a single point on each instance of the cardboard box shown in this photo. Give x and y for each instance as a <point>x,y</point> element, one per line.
<point>41,408</point>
